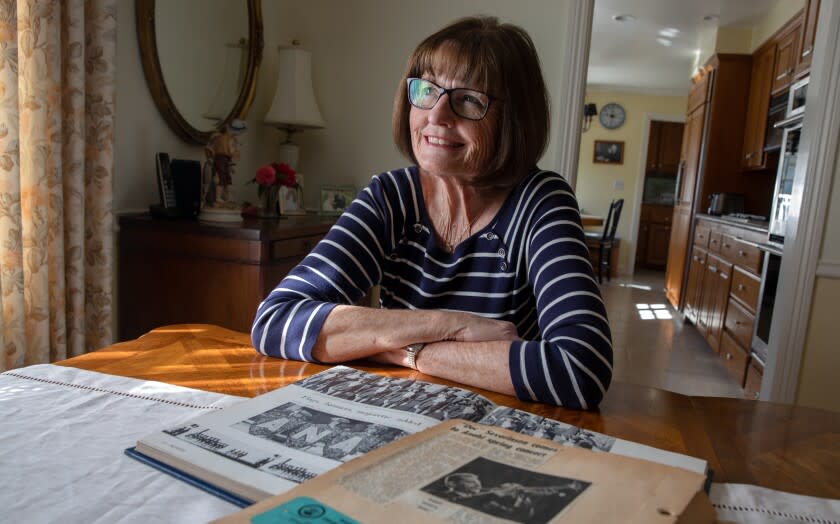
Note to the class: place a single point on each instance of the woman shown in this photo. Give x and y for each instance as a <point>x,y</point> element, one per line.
<point>480,255</point>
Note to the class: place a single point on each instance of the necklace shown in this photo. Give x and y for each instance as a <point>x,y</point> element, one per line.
<point>453,237</point>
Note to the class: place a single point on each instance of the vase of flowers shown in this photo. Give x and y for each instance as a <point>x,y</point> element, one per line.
<point>270,178</point>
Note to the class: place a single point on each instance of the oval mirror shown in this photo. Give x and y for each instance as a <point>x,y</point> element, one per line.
<point>200,58</point>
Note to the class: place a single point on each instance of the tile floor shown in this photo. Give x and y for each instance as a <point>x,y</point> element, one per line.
<point>659,351</point>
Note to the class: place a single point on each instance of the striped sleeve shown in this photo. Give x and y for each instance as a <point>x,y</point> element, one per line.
<point>341,268</point>
<point>571,364</point>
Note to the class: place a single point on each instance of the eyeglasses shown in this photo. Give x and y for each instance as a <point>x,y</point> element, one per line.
<point>466,103</point>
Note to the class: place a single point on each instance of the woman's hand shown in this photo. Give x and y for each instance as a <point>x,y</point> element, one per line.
<point>473,328</point>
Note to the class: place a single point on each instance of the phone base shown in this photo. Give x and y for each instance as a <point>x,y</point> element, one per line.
<point>158,211</point>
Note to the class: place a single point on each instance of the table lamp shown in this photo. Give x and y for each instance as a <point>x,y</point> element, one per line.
<point>294,107</point>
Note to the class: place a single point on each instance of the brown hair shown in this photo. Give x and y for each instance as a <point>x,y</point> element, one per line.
<point>501,60</point>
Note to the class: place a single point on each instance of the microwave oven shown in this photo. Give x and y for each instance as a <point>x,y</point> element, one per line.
<point>796,97</point>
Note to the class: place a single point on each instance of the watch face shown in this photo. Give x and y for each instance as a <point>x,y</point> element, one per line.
<point>611,116</point>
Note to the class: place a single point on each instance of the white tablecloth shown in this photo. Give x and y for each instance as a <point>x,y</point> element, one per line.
<point>62,436</point>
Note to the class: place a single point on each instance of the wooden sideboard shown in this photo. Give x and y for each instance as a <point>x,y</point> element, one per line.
<point>174,271</point>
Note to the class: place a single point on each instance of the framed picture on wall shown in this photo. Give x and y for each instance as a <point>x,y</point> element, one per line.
<point>608,152</point>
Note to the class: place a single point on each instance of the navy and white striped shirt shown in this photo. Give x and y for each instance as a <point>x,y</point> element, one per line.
<point>529,266</point>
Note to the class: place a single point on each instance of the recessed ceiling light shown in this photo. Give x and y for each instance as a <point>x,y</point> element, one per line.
<point>669,32</point>
<point>711,17</point>
<point>664,41</point>
<point>624,18</point>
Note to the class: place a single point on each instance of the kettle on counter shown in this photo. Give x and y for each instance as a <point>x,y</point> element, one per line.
<point>726,203</point>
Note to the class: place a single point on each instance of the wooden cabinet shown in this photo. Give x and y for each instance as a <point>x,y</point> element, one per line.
<point>714,299</point>
<point>654,235</point>
<point>694,286</point>
<point>809,31</point>
<point>189,271</point>
<point>758,105</point>
<point>722,292</point>
<point>712,140</point>
<point>664,143</point>
<point>752,382</point>
<point>677,253</point>
<point>787,45</point>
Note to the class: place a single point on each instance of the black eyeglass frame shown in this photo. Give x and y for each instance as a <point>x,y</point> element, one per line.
<point>445,91</point>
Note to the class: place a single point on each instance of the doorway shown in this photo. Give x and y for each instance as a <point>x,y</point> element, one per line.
<point>660,178</point>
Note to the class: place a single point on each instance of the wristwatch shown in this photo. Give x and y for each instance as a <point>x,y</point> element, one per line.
<point>412,350</point>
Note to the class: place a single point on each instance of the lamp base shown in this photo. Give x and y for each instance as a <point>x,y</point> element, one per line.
<point>288,154</point>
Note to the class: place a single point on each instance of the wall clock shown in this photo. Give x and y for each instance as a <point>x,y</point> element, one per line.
<point>612,116</point>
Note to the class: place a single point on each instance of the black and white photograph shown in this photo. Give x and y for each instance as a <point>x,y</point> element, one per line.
<point>507,492</point>
<point>421,398</point>
<point>534,425</point>
<point>279,466</point>
<point>608,152</point>
<point>318,433</point>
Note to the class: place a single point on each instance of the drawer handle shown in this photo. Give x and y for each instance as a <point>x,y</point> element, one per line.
<point>807,51</point>
<point>742,253</point>
<point>729,356</point>
<point>741,287</point>
<point>727,246</point>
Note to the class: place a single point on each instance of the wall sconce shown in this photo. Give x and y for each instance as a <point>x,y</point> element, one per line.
<point>589,110</point>
<point>294,107</point>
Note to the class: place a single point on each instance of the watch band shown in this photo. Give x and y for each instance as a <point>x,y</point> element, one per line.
<point>412,350</point>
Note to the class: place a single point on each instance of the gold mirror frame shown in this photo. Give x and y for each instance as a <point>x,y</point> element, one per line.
<point>145,20</point>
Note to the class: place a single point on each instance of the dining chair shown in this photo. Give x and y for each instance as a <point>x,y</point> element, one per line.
<point>605,241</point>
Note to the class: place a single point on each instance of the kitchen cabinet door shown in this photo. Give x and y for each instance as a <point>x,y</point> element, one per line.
<point>659,236</point>
<point>809,31</point>
<point>758,105</point>
<point>786,55</point>
<point>677,252</point>
<point>694,286</point>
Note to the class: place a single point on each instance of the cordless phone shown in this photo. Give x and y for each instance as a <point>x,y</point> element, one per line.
<point>166,185</point>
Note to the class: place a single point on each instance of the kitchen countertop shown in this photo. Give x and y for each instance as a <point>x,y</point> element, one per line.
<point>759,226</point>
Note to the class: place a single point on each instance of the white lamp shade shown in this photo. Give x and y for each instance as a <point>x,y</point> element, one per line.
<point>294,102</point>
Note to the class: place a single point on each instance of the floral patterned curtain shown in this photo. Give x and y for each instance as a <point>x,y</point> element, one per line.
<point>56,166</point>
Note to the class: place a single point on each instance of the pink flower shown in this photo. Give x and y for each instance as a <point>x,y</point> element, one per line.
<point>266,176</point>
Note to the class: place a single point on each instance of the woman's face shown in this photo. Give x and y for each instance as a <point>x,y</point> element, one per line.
<point>447,144</point>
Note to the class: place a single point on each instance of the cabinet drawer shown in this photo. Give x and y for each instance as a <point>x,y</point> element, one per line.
<point>741,253</point>
<point>293,247</point>
<point>734,358</point>
<point>745,287</point>
<point>715,241</point>
<point>701,235</point>
<point>739,322</point>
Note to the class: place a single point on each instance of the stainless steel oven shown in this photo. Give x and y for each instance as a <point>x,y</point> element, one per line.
<point>766,302</point>
<point>783,192</point>
<point>791,131</point>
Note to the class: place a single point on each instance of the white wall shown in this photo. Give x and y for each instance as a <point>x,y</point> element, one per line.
<point>359,52</point>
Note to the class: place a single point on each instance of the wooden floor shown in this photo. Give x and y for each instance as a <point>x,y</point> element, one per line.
<point>653,350</point>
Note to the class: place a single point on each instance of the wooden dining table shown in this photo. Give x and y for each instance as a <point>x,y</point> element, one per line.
<point>591,220</point>
<point>782,447</point>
